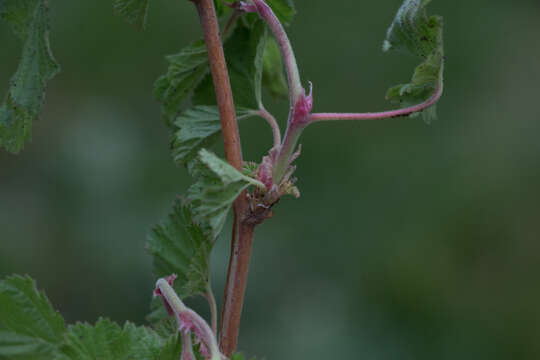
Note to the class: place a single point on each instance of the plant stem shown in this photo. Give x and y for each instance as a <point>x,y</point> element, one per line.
<point>222,85</point>
<point>379,115</point>
<point>271,120</point>
<point>242,232</point>
<point>293,75</point>
<point>213,307</point>
<point>235,285</point>
<point>188,318</point>
<point>294,130</point>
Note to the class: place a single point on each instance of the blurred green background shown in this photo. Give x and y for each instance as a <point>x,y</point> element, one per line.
<point>410,241</point>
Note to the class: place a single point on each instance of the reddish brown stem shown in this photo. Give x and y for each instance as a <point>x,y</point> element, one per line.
<point>235,286</point>
<point>222,85</point>
<point>242,232</point>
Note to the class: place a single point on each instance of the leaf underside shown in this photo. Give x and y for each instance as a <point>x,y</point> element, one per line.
<point>29,21</point>
<point>414,32</point>
<point>198,127</point>
<point>217,185</point>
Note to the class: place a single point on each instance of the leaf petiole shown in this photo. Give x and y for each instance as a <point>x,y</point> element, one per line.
<point>380,115</point>
<point>188,320</point>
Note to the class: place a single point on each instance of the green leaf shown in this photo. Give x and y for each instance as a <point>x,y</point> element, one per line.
<point>134,11</point>
<point>284,10</point>
<point>197,128</point>
<point>179,246</point>
<point>186,70</point>
<point>416,33</point>
<point>29,326</point>
<point>218,185</point>
<point>108,341</point>
<point>189,73</point>
<point>241,53</point>
<point>172,348</point>
<point>273,73</point>
<point>241,50</point>
<point>30,22</point>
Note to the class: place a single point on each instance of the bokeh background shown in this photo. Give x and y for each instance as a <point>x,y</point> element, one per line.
<point>410,241</point>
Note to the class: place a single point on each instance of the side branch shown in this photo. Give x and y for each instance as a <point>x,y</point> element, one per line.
<point>379,115</point>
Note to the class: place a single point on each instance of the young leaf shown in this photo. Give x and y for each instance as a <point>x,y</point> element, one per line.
<point>106,340</point>
<point>197,128</point>
<point>218,185</point>
<point>186,70</point>
<point>30,22</point>
<point>29,326</point>
<point>134,11</point>
<point>414,32</point>
<point>180,247</point>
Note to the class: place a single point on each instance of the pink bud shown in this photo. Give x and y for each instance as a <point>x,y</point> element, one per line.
<point>303,105</point>
<point>157,292</point>
<point>265,173</point>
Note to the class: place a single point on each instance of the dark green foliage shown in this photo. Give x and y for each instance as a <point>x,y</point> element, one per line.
<point>134,11</point>
<point>30,329</point>
<point>180,247</point>
<point>30,22</point>
<point>186,70</point>
<point>217,185</point>
<point>284,10</point>
<point>416,33</point>
<point>198,127</point>
<point>29,326</point>
<point>106,340</point>
<point>273,75</point>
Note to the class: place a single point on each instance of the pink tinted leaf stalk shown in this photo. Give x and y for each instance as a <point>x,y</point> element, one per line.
<point>188,320</point>
<point>271,120</point>
<point>213,307</point>
<point>291,67</point>
<point>300,103</point>
<point>187,347</point>
<point>379,115</point>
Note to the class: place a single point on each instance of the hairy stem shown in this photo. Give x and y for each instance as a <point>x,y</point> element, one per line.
<point>242,234</point>
<point>294,130</point>
<point>379,115</point>
<point>293,75</point>
<point>271,120</point>
<point>188,320</point>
